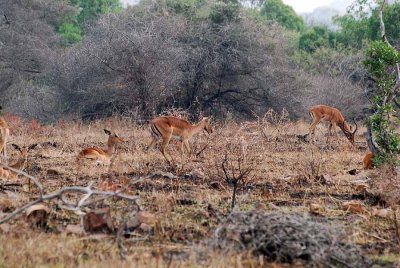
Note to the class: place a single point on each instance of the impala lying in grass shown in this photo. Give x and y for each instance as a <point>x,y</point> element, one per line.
<point>99,155</point>
<point>19,164</point>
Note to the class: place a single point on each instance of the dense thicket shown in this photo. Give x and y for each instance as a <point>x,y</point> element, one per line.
<point>83,14</point>
<point>202,56</point>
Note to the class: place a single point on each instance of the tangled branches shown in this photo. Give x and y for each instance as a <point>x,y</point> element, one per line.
<point>286,238</point>
<point>62,193</point>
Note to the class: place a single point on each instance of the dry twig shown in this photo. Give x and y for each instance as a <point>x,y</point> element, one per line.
<point>66,203</point>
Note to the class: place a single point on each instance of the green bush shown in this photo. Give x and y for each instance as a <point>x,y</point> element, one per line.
<point>186,7</point>
<point>315,37</point>
<point>276,10</point>
<point>224,11</point>
<point>71,33</point>
<point>380,62</point>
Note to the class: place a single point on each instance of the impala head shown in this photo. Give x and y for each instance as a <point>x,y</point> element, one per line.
<point>24,150</point>
<point>207,125</point>
<point>113,137</point>
<point>347,130</point>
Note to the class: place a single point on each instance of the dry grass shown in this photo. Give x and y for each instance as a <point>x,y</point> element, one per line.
<point>288,175</point>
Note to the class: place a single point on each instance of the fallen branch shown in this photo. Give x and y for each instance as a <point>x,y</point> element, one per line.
<point>67,204</point>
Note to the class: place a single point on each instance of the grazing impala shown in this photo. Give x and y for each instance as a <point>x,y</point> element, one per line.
<point>166,127</point>
<point>101,155</point>
<point>19,164</point>
<point>5,133</point>
<point>335,117</point>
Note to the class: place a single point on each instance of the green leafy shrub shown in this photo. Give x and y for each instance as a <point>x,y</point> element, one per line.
<point>276,10</point>
<point>380,60</point>
<point>70,32</point>
<point>224,11</point>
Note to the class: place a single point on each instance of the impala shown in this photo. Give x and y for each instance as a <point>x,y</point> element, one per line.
<point>335,118</point>
<point>101,155</point>
<point>5,133</point>
<point>367,161</point>
<point>166,127</point>
<point>19,164</point>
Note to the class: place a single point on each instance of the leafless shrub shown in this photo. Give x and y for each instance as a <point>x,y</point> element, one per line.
<point>34,101</point>
<point>349,98</point>
<point>147,60</point>
<point>309,166</point>
<point>28,41</point>
<point>273,125</point>
<point>177,112</point>
<point>287,238</point>
<point>235,168</point>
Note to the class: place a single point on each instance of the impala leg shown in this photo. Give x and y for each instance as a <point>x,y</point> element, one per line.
<point>329,132</point>
<point>2,150</point>
<point>164,144</point>
<point>5,136</point>
<point>187,146</point>
<point>152,143</point>
<point>182,147</point>
<point>335,131</point>
<point>312,129</point>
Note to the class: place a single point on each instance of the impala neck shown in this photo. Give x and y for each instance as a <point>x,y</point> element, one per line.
<point>110,148</point>
<point>344,127</point>
<point>198,127</point>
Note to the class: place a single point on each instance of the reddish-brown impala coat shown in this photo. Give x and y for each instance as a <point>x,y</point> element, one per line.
<point>101,155</point>
<point>166,127</point>
<point>335,117</point>
<point>367,161</point>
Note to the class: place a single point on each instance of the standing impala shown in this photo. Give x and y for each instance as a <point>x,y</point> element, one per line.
<point>101,155</point>
<point>5,133</point>
<point>335,117</point>
<point>19,164</point>
<point>166,127</point>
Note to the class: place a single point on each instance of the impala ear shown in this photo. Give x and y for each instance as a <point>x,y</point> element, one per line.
<point>16,147</point>
<point>32,146</point>
<point>208,119</point>
<point>107,131</point>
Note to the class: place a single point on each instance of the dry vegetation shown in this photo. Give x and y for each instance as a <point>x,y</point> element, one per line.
<point>191,200</point>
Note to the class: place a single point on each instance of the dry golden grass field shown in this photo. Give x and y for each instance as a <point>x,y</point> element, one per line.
<point>185,203</point>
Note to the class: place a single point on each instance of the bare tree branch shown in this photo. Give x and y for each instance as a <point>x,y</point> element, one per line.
<point>60,194</point>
